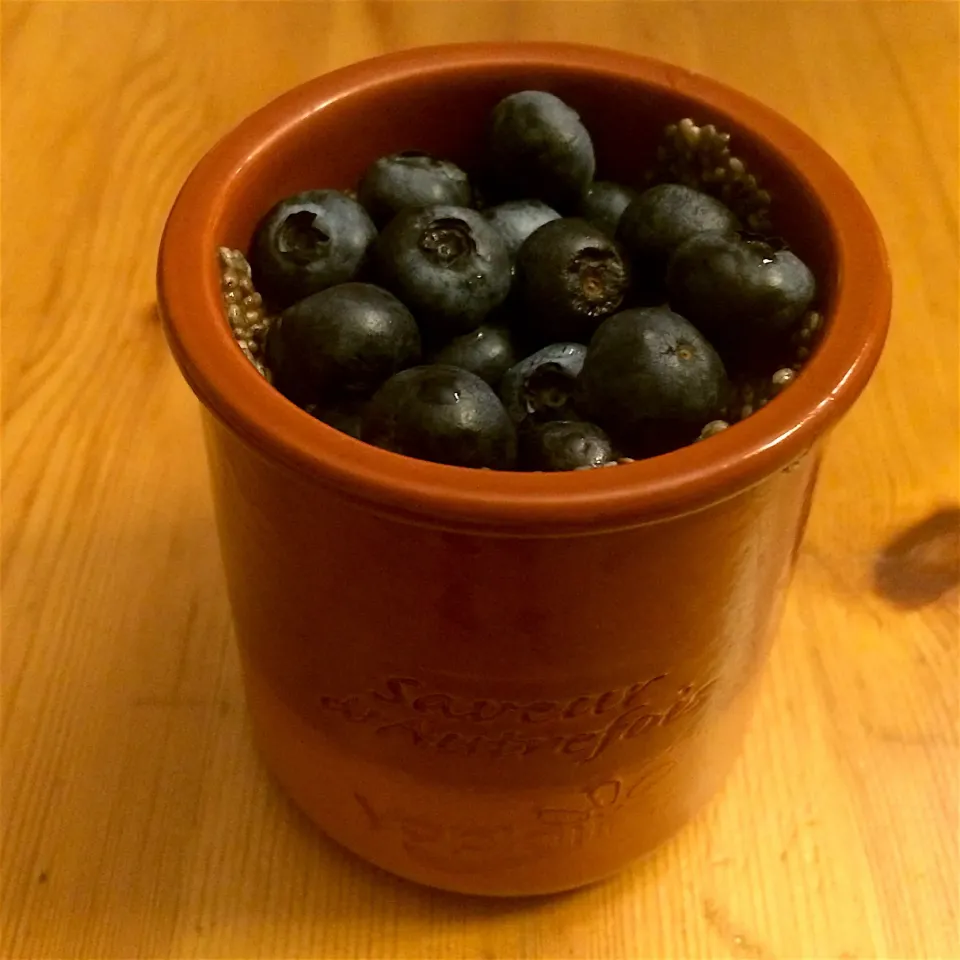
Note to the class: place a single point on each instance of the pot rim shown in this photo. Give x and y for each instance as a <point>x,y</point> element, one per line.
<point>590,500</point>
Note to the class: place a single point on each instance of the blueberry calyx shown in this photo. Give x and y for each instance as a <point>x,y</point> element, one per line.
<point>447,240</point>
<point>301,238</point>
<point>600,278</point>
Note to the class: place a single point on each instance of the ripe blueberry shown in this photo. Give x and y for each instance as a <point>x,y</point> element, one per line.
<point>743,293</point>
<point>569,276</point>
<point>345,416</point>
<point>487,351</point>
<point>342,342</point>
<point>564,445</point>
<point>448,264</point>
<point>603,204</point>
<point>411,179</point>
<point>515,220</point>
<point>538,147</point>
<point>541,386</point>
<point>308,242</point>
<point>444,414</point>
<point>651,379</point>
<point>661,219</point>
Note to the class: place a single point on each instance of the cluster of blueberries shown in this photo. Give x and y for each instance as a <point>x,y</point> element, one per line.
<point>560,322</point>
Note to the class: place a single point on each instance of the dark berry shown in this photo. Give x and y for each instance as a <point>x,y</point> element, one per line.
<point>411,179</point>
<point>660,220</point>
<point>537,147</point>
<point>743,293</point>
<point>346,416</point>
<point>309,242</point>
<point>487,351</point>
<point>444,414</point>
<point>541,386</point>
<point>603,204</point>
<point>344,341</point>
<point>569,276</point>
<point>651,379</point>
<point>515,220</point>
<point>564,445</point>
<point>448,265</point>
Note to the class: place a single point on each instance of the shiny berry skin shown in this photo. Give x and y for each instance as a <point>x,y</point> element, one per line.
<point>741,292</point>
<point>447,264</point>
<point>651,380</point>
<point>308,242</point>
<point>569,276</point>
<point>342,342</point>
<point>411,179</point>
<point>444,414</point>
<point>564,445</point>
<point>541,386</point>
<point>538,147</point>
<point>603,204</point>
<point>661,219</point>
<point>515,220</point>
<point>488,351</point>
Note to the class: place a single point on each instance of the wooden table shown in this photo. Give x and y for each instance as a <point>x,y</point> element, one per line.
<point>137,820</point>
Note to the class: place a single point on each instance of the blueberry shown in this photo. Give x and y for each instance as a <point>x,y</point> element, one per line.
<point>487,351</point>
<point>603,204</point>
<point>660,220</point>
<point>344,341</point>
<point>515,220</point>
<point>444,414</point>
<point>309,242</point>
<point>569,276</point>
<point>651,379</point>
<point>743,293</point>
<point>448,264</point>
<point>411,179</point>
<point>541,387</point>
<point>345,416</point>
<point>564,445</point>
<point>537,147</point>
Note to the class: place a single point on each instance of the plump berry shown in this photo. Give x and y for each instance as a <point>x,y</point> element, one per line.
<point>537,147</point>
<point>564,445</point>
<point>308,242</point>
<point>487,351</point>
<point>411,179</point>
<point>448,264</point>
<point>603,203</point>
<point>651,379</point>
<point>541,386</point>
<point>345,416</point>
<point>341,342</point>
<point>444,414</point>
<point>740,292</point>
<point>569,276</point>
<point>515,220</point>
<point>660,220</point>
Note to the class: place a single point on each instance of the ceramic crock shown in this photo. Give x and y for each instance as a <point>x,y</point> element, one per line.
<point>505,683</point>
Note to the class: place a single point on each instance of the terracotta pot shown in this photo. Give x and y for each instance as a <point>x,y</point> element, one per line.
<point>505,683</point>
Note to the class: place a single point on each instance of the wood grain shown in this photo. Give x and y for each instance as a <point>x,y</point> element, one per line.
<point>137,821</point>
